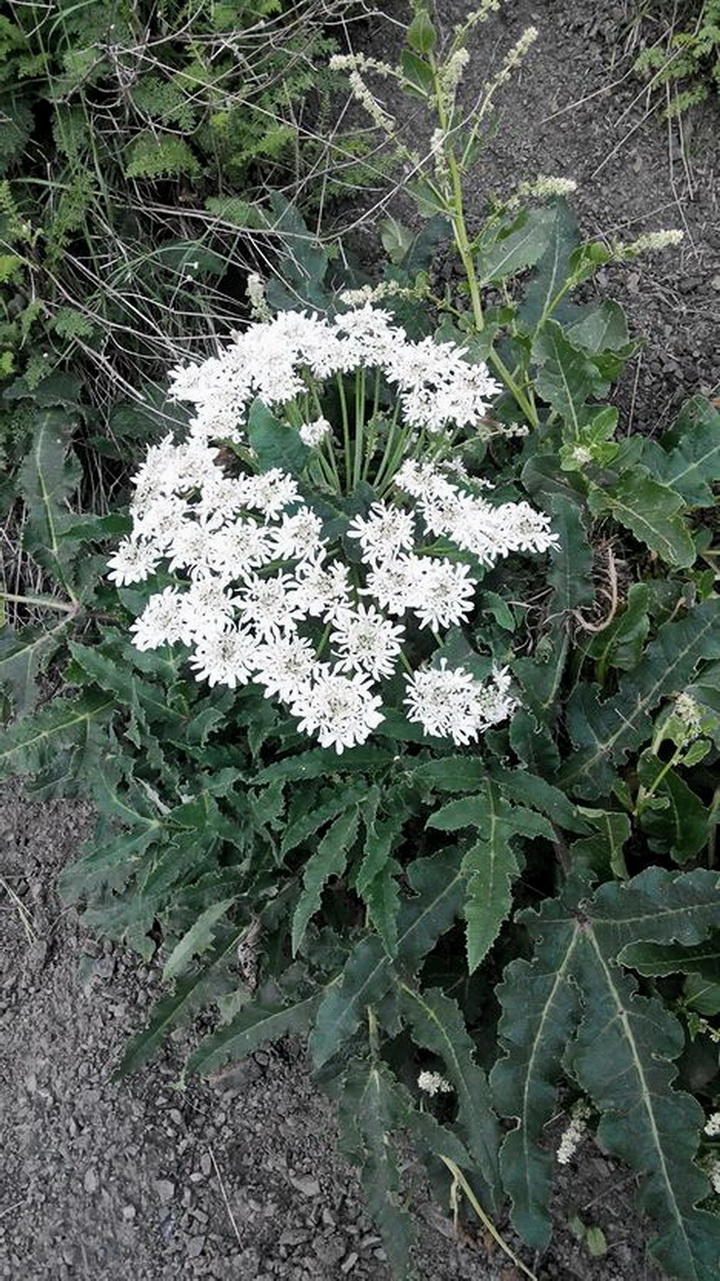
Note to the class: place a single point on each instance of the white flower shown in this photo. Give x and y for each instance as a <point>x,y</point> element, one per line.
<point>242,546</point>
<point>270,492</point>
<point>298,536</point>
<point>573,1135</point>
<point>225,657</point>
<point>394,583</point>
<point>688,711</point>
<point>366,641</point>
<point>314,433</point>
<point>341,710</point>
<point>320,591</point>
<point>444,594</point>
<point>161,622</point>
<point>206,607</point>
<point>383,532</point>
<point>133,562</point>
<point>270,605</point>
<point>712,1125</point>
<point>451,703</point>
<point>433,1083</point>
<point>285,666</point>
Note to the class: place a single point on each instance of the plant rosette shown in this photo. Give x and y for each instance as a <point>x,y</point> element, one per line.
<point>335,596</point>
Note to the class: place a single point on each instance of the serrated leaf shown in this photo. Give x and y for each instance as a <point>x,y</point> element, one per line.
<point>22,658</point>
<point>571,562</point>
<point>323,762</point>
<point>553,269</point>
<point>651,511</point>
<point>197,940</point>
<point>371,1107</point>
<point>439,886</point>
<point>661,959</point>
<point>682,827</point>
<point>605,850</point>
<point>306,824</point>
<point>47,479</point>
<point>565,377</point>
<point>328,860</point>
<point>275,444</point>
<point>621,643</point>
<point>691,463</point>
<point>604,732</point>
<point>258,1023</point>
<point>175,1010</point>
<point>450,773</point>
<point>63,723</point>
<point>540,1008</point>
<point>438,1025</point>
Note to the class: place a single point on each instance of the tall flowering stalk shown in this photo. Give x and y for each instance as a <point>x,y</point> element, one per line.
<point>324,612</point>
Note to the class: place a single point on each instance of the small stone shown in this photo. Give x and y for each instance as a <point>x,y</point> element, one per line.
<point>90,1182</point>
<point>206,1163</point>
<point>196,1245</point>
<point>305,1184</point>
<point>349,1263</point>
<point>715,282</point>
<point>129,1212</point>
<point>165,1190</point>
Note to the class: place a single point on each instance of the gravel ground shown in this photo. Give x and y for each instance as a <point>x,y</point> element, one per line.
<point>240,1179</point>
<point>143,1182</point>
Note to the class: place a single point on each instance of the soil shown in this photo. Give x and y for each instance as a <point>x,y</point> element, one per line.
<point>142,1181</point>
<point>238,1180</point>
<point>575,109</point>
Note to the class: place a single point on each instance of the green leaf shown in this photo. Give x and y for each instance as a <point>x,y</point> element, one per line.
<point>662,959</point>
<point>604,732</point>
<point>257,1023</point>
<point>421,35</point>
<point>275,443</point>
<point>565,377</point>
<point>622,1057</point>
<point>545,289</point>
<point>450,773</point>
<point>198,939</point>
<point>306,824</point>
<point>605,850</point>
<point>522,246</point>
<point>438,1026</point>
<point>539,1010</point>
<point>64,723</point>
<point>173,1011</point>
<point>682,827</point>
<point>602,329</point>
<point>439,885</point>
<point>651,511</point>
<point>571,563</point>
<point>419,74</point>
<point>23,657</point>
<point>620,644</point>
<point>47,480</point>
<point>692,453</point>
<point>375,880</point>
<point>324,762</point>
<point>371,1107</point>
<point>328,860</point>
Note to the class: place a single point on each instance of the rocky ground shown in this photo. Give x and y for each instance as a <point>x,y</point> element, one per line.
<point>140,1181</point>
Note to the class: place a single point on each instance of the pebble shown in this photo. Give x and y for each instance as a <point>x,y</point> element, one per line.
<point>305,1184</point>
<point>90,1182</point>
<point>165,1190</point>
<point>195,1247</point>
<point>349,1263</point>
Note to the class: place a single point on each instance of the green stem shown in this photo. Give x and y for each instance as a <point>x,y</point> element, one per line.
<point>459,1180</point>
<point>359,424</point>
<point>346,431</point>
<point>47,602</point>
<point>527,405</point>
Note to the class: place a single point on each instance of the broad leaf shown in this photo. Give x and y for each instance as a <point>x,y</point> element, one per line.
<point>47,480</point>
<point>571,562</point>
<point>651,511</point>
<point>566,376</point>
<point>258,1023</point>
<point>274,443</point>
<point>519,248</point>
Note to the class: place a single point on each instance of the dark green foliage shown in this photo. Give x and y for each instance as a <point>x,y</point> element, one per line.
<point>684,60</point>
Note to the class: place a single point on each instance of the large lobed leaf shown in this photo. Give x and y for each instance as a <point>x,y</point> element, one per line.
<point>622,1055</point>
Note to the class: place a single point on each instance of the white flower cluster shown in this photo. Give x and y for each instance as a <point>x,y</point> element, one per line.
<point>573,1136</point>
<point>433,1083</point>
<point>712,1125</point>
<point>438,388</point>
<point>261,596</point>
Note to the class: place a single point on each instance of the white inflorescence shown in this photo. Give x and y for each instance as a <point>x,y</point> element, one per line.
<point>433,1083</point>
<point>573,1136</point>
<point>259,594</point>
<point>438,388</point>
